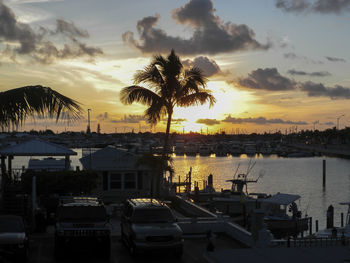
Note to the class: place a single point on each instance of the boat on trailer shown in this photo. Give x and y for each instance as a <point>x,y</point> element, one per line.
<point>282,216</point>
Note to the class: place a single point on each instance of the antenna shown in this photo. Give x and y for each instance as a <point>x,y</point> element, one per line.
<point>234,175</point>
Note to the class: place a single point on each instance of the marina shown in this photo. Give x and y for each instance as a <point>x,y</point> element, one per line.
<point>301,176</point>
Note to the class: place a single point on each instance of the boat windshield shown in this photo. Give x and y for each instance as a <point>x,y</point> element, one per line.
<point>152,216</point>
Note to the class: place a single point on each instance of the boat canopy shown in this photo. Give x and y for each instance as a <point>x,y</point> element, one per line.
<point>345,203</point>
<point>281,199</point>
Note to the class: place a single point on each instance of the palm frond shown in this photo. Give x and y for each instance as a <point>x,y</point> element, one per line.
<point>131,94</point>
<point>150,74</point>
<point>196,98</point>
<point>17,104</point>
<point>156,111</point>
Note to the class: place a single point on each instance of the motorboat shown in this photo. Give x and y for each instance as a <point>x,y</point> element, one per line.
<point>282,216</point>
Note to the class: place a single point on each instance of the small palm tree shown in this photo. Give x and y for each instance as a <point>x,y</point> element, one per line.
<point>17,104</point>
<point>169,84</point>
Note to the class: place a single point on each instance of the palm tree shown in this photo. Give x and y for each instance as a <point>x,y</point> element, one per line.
<point>17,104</point>
<point>169,84</point>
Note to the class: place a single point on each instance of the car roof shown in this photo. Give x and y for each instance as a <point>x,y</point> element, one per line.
<point>80,201</point>
<point>147,203</point>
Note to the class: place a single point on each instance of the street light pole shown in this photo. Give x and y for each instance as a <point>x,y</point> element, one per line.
<point>338,120</point>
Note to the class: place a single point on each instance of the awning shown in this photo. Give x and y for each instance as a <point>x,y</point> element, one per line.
<point>281,199</point>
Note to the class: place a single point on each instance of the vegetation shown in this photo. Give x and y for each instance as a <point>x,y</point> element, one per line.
<point>61,182</point>
<point>168,84</point>
<point>17,104</point>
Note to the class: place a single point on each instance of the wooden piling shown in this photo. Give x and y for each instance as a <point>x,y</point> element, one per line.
<point>310,226</point>
<point>342,219</point>
<point>324,174</point>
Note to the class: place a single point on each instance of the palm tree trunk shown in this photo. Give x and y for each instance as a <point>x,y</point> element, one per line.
<point>165,151</point>
<point>167,133</point>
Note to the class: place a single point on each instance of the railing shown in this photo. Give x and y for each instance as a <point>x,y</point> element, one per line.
<point>313,242</point>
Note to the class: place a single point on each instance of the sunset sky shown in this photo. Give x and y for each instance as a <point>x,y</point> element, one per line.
<point>271,64</point>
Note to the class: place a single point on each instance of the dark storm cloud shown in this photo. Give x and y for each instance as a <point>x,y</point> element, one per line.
<point>311,74</point>
<point>208,66</point>
<point>262,121</point>
<point>210,36</point>
<point>267,79</point>
<point>319,90</point>
<point>333,59</point>
<point>208,122</point>
<point>37,44</point>
<point>316,6</point>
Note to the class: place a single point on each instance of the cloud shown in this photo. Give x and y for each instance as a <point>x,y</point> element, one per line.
<point>262,121</point>
<point>23,40</point>
<point>178,121</point>
<point>208,122</point>
<point>311,74</point>
<point>69,29</point>
<point>102,117</point>
<point>130,119</point>
<point>319,90</point>
<point>329,123</point>
<point>267,79</point>
<point>333,59</point>
<point>293,56</point>
<point>210,36</point>
<point>316,6</point>
<point>208,66</point>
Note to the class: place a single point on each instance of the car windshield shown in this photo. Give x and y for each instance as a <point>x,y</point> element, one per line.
<point>82,213</point>
<point>10,225</point>
<point>152,216</point>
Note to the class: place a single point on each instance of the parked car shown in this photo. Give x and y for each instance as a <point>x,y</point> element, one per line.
<point>82,222</point>
<point>148,224</point>
<point>13,237</point>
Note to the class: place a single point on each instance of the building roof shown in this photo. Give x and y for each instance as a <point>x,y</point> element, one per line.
<point>281,199</point>
<point>111,158</point>
<point>36,147</point>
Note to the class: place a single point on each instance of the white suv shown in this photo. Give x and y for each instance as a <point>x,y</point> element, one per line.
<point>148,224</point>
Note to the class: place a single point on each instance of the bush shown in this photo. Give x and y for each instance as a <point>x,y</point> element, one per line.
<point>61,182</point>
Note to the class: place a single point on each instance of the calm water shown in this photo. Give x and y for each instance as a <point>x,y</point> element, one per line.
<point>301,176</point>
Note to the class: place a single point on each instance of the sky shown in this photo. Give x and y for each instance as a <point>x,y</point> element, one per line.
<point>271,64</point>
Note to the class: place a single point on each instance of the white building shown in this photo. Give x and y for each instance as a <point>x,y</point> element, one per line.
<point>120,176</point>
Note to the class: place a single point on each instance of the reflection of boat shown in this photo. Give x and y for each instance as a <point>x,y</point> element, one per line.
<point>282,216</point>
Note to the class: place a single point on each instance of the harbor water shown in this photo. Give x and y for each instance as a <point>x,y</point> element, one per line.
<point>302,176</point>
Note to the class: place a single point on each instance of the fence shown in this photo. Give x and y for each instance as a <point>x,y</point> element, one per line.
<point>313,242</point>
